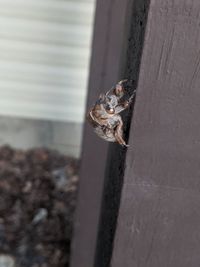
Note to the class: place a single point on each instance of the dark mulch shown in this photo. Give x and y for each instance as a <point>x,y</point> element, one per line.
<point>37,201</point>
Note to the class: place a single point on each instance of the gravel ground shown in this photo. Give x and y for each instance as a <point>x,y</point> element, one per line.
<point>38,191</point>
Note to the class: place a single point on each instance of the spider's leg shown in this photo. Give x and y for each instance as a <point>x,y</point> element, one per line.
<point>94,118</point>
<point>124,105</point>
<point>119,132</point>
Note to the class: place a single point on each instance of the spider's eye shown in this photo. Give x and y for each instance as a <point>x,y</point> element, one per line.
<point>111,110</point>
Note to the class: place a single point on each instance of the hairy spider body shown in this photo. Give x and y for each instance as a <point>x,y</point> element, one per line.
<point>104,115</point>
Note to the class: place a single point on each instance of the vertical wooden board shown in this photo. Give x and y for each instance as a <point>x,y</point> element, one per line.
<point>137,17</point>
<point>109,40</point>
<point>159,217</point>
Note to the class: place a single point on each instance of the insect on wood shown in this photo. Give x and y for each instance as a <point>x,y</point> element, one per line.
<point>104,115</point>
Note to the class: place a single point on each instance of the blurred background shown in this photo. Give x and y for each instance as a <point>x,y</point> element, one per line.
<point>44,63</point>
<point>45,48</point>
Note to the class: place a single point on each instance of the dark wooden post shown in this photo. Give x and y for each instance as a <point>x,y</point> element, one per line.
<point>111,29</point>
<point>159,216</point>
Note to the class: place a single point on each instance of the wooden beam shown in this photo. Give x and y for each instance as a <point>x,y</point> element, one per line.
<point>108,49</point>
<point>159,217</point>
<point>116,157</point>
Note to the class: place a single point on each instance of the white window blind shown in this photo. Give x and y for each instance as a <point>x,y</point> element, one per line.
<point>44,58</point>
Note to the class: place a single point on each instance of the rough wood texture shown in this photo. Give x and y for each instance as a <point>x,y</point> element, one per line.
<point>110,31</point>
<point>159,217</point>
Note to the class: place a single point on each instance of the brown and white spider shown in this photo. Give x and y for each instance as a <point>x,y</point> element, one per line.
<point>104,115</point>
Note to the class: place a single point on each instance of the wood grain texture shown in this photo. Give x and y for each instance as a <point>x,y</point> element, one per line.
<point>159,217</point>
<point>110,34</point>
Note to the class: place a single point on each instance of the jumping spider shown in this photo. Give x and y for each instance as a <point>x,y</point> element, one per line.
<point>104,115</point>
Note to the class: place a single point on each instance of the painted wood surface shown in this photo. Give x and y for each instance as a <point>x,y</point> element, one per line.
<point>137,17</point>
<point>159,216</point>
<point>109,42</point>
